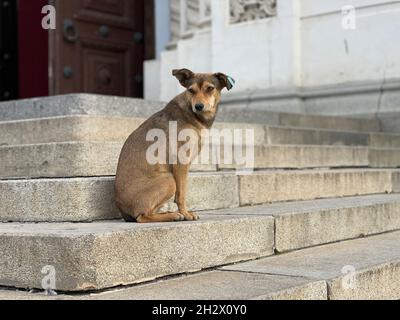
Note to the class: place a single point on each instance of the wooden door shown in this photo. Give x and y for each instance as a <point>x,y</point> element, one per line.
<point>99,46</point>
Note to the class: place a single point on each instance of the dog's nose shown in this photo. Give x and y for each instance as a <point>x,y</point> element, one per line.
<point>199,107</point>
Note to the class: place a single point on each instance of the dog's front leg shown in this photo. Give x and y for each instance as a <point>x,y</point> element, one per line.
<point>181,173</point>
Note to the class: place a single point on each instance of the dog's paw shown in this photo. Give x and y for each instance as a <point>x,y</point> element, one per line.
<point>190,216</point>
<point>179,217</point>
<point>195,216</point>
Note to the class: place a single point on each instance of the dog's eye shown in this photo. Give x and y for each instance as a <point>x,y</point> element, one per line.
<point>191,91</point>
<point>210,89</point>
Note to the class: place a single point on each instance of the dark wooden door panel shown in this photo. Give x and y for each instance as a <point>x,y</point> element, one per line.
<point>102,48</point>
<point>116,7</point>
<point>119,13</point>
<point>105,69</point>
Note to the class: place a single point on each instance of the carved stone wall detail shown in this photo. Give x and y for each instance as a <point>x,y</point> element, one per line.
<point>187,16</point>
<point>249,10</point>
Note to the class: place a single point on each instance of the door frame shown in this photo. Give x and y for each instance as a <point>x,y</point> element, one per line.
<point>150,30</point>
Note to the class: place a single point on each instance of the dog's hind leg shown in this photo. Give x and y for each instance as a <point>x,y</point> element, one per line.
<point>152,198</point>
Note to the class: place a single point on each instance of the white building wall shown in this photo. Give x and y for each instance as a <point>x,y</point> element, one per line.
<point>193,53</point>
<point>162,17</point>
<point>304,59</point>
<point>261,53</point>
<point>332,54</point>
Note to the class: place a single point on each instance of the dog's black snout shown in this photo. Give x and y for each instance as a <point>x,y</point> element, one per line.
<point>199,107</point>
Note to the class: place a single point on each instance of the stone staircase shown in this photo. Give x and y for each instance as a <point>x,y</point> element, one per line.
<point>325,196</point>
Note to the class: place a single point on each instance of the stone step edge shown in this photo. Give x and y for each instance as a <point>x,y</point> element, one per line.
<point>192,247</point>
<point>30,200</point>
<point>301,288</point>
<point>348,267</point>
<point>221,125</point>
<point>309,223</point>
<point>100,104</point>
<point>311,289</point>
<point>275,223</point>
<point>257,147</point>
<point>79,159</point>
<point>264,145</point>
<point>374,280</point>
<point>260,172</point>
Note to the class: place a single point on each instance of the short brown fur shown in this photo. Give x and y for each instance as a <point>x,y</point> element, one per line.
<point>142,188</point>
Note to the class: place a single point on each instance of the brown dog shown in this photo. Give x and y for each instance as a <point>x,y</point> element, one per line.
<point>142,188</point>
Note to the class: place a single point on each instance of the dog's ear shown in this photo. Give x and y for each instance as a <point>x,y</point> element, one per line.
<point>183,75</point>
<point>225,81</point>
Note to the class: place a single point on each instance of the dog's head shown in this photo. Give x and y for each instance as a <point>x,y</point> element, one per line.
<point>203,90</point>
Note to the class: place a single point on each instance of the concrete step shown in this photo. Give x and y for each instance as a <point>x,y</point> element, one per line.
<point>286,135</point>
<point>88,128</point>
<point>90,159</point>
<point>88,104</point>
<point>329,123</point>
<point>359,269</point>
<point>78,104</point>
<point>390,122</point>
<point>239,115</point>
<point>219,286</point>
<point>308,156</point>
<point>265,187</point>
<point>302,224</point>
<point>291,135</point>
<point>108,254</point>
<point>67,128</point>
<point>88,199</point>
<point>367,268</point>
<point>384,140</point>
<point>100,128</point>
<point>362,269</point>
<point>384,158</point>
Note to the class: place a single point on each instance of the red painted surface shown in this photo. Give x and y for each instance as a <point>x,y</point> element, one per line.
<point>33,50</point>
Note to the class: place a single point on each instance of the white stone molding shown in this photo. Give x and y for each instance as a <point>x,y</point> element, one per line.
<point>188,16</point>
<point>175,20</point>
<point>249,10</point>
<point>204,14</point>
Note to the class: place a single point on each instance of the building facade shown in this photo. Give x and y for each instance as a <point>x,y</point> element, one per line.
<point>312,56</point>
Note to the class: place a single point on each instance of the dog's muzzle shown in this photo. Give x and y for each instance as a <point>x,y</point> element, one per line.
<point>199,107</point>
